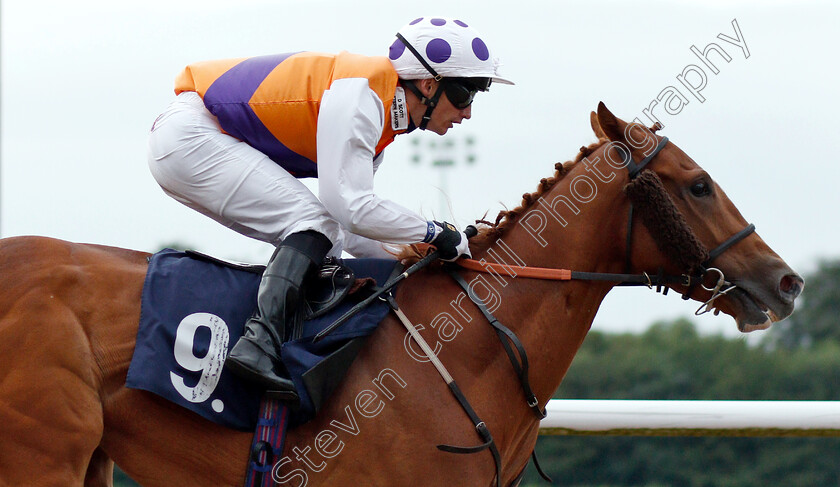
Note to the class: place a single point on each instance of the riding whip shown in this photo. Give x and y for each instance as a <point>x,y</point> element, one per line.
<point>470,232</point>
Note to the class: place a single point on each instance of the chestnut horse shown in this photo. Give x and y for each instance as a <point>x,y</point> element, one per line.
<point>69,316</point>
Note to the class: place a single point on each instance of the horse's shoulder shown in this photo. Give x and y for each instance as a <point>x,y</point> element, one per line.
<point>81,296</point>
<point>39,251</point>
<point>32,265</point>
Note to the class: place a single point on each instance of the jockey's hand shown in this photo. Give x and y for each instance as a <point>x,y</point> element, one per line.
<point>451,243</point>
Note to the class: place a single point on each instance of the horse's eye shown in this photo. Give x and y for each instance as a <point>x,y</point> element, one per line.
<point>701,188</point>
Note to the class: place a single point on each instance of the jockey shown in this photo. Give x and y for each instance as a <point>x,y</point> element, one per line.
<point>241,131</point>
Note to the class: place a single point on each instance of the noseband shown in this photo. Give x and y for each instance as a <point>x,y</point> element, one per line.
<point>695,272</point>
<point>694,276</point>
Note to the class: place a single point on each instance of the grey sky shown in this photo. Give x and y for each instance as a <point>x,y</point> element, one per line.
<point>83,81</point>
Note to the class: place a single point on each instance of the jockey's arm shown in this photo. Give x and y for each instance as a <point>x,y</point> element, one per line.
<point>361,247</point>
<point>350,123</point>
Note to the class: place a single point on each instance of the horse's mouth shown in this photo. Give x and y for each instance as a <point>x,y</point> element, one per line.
<point>751,313</point>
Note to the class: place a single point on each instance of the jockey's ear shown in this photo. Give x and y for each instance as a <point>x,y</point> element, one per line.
<point>425,85</point>
<point>612,126</point>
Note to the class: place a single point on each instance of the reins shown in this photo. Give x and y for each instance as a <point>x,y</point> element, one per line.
<point>689,279</point>
<point>550,274</point>
<point>510,342</point>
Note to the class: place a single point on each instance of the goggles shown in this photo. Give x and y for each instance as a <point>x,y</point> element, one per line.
<point>461,91</point>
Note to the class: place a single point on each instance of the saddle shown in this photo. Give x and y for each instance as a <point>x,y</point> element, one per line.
<point>328,287</point>
<point>194,307</point>
<point>323,290</point>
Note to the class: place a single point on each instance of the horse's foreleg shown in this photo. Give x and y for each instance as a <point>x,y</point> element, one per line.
<point>100,471</point>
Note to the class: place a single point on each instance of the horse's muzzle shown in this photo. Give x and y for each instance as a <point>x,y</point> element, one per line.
<point>760,301</point>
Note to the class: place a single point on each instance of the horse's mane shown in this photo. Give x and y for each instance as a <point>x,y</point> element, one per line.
<point>490,232</point>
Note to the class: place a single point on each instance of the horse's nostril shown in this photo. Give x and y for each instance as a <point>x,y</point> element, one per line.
<point>791,286</point>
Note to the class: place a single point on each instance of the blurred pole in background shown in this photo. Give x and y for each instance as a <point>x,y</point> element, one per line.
<point>443,155</point>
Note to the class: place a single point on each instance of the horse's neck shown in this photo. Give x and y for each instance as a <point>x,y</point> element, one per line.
<point>551,317</point>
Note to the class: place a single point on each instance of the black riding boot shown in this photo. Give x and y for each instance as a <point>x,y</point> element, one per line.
<point>256,356</point>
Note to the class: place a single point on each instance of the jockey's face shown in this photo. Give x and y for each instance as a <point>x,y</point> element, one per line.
<point>445,114</point>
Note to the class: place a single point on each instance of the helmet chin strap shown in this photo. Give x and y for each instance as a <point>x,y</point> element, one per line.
<point>430,103</point>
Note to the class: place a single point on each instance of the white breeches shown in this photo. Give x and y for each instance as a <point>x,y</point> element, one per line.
<point>228,180</point>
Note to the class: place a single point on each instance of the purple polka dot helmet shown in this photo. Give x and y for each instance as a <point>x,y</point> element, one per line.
<point>442,47</point>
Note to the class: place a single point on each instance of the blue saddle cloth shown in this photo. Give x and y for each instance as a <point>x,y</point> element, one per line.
<point>193,311</point>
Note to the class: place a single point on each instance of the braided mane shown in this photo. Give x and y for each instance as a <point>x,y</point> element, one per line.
<point>490,232</point>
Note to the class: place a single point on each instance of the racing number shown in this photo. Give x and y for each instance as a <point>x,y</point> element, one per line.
<point>210,364</point>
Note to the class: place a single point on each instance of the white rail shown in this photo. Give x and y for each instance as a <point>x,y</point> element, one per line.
<point>691,418</point>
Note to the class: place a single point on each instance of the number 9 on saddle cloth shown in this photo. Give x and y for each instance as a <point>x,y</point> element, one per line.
<point>194,308</point>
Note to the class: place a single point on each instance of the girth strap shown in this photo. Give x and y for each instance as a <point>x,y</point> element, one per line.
<point>267,445</point>
<point>521,368</point>
<point>507,337</point>
<point>480,426</point>
<point>539,467</point>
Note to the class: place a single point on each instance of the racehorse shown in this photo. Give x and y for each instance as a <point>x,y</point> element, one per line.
<point>69,315</point>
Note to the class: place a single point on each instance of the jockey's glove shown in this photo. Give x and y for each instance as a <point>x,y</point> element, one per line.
<point>450,243</point>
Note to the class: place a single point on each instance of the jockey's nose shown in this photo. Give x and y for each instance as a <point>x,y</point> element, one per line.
<point>467,112</point>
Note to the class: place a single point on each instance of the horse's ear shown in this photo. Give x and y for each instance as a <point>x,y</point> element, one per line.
<point>596,127</point>
<point>612,126</point>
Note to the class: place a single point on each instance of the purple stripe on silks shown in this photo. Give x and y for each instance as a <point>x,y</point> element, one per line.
<point>227,98</point>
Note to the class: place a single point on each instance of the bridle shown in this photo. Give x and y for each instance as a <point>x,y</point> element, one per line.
<point>513,346</point>
<point>719,287</point>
